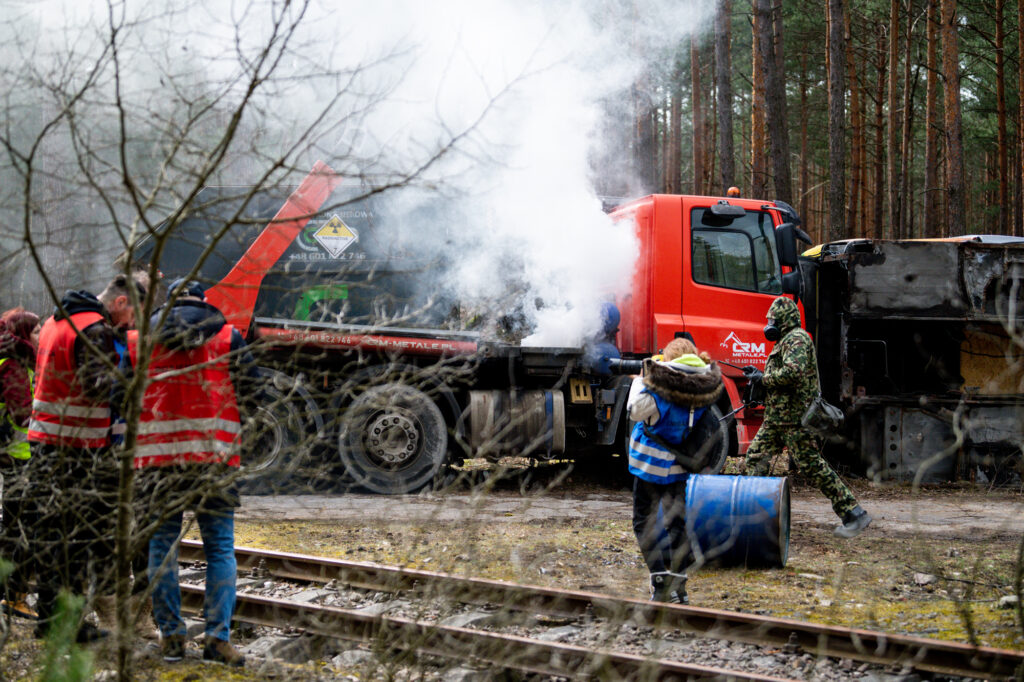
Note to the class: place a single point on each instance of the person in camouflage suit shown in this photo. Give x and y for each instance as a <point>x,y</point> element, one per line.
<point>790,381</point>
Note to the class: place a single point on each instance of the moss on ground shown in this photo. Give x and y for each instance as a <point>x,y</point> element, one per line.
<point>866,583</point>
<point>925,585</point>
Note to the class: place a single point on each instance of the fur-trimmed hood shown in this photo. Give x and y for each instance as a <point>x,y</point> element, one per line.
<point>681,385</point>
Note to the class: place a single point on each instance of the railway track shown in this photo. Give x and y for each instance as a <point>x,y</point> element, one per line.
<point>916,653</point>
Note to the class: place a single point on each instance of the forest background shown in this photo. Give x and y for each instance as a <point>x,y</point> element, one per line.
<point>874,119</point>
<point>921,101</point>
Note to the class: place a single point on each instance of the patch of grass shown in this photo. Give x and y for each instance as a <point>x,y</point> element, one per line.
<point>865,583</point>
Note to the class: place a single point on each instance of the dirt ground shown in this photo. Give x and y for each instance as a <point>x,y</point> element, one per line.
<point>938,562</point>
<point>935,562</point>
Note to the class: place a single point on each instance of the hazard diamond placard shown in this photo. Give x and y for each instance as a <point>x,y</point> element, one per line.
<point>335,236</point>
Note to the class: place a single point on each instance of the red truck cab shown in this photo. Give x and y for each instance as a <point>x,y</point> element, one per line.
<point>709,268</point>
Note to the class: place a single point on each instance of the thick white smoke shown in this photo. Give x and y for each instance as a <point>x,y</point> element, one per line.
<point>513,85</point>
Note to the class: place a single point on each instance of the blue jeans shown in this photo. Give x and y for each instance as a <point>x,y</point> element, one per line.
<point>218,532</point>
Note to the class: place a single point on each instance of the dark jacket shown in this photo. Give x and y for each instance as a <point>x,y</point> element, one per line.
<point>15,381</point>
<point>93,369</point>
<point>191,323</point>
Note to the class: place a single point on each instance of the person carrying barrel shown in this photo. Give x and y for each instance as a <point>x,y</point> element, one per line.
<point>672,438</point>
<point>790,380</point>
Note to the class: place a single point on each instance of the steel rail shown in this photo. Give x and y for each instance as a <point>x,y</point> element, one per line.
<point>920,653</point>
<point>510,652</point>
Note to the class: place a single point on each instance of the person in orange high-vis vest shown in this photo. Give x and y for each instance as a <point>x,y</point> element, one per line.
<point>73,470</point>
<point>187,452</point>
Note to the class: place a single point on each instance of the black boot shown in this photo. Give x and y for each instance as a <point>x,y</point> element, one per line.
<point>88,632</point>
<point>659,584</point>
<point>677,589</point>
<point>854,523</point>
<point>669,587</point>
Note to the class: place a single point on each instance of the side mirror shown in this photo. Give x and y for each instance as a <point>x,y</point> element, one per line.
<point>792,283</point>
<point>786,236</point>
<point>785,244</point>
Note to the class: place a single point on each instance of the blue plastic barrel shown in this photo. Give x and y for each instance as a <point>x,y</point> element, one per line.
<point>737,520</point>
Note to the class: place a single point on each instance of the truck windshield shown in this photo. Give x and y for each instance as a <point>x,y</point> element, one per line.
<point>737,253</point>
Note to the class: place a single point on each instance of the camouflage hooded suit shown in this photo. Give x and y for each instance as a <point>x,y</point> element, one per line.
<point>790,382</point>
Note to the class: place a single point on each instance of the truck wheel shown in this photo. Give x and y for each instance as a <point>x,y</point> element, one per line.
<point>278,435</point>
<point>393,439</point>
<point>725,445</point>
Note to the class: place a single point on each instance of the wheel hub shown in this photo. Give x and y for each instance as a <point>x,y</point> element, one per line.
<point>267,440</point>
<point>392,438</point>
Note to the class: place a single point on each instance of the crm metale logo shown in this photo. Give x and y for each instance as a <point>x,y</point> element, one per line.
<point>743,348</point>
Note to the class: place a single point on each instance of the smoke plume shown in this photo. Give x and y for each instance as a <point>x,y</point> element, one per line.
<point>512,90</point>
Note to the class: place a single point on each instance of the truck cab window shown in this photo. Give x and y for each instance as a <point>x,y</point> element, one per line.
<point>735,254</point>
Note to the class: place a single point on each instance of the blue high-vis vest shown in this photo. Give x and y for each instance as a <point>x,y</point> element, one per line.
<point>648,459</point>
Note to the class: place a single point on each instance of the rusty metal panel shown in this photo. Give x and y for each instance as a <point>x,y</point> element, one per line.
<point>959,280</point>
<point>988,274</point>
<point>917,442</point>
<point>909,278</point>
<point>991,363</point>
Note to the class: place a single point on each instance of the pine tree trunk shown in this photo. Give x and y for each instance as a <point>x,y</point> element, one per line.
<point>711,126</point>
<point>955,199</point>
<point>674,165</point>
<point>1001,142</point>
<point>933,216</point>
<point>723,77</point>
<point>836,121</point>
<point>852,221</point>
<point>758,142</point>
<point>863,162</point>
<point>905,142</point>
<point>771,45</point>
<point>697,105</point>
<point>804,161</point>
<point>892,134</point>
<point>645,152</point>
<point>1018,217</point>
<point>880,196</point>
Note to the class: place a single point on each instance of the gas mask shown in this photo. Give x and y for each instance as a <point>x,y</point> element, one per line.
<point>771,332</point>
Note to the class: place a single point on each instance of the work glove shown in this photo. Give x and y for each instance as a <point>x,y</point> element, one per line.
<point>754,392</point>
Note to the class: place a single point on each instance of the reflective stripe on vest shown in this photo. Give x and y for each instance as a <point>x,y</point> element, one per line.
<point>189,410</point>
<point>62,414</point>
<point>650,460</point>
<point>17,447</point>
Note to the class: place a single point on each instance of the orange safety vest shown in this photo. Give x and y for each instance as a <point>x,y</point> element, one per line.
<point>190,415</point>
<point>62,414</point>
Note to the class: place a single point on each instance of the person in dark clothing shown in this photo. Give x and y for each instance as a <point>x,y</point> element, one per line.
<point>74,472</point>
<point>19,334</point>
<point>187,454</point>
<point>669,441</point>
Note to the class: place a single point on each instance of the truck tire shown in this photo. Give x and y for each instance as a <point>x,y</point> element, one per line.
<point>726,443</point>
<point>278,435</point>
<point>392,436</point>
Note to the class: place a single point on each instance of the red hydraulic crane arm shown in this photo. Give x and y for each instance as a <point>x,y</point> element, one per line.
<point>235,295</point>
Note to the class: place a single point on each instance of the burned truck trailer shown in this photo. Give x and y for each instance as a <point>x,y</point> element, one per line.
<point>920,341</point>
